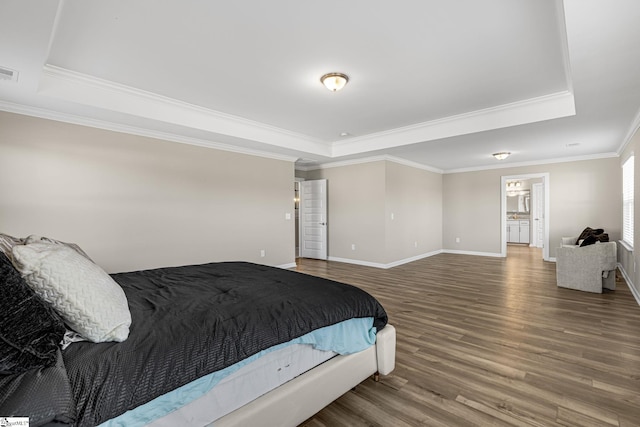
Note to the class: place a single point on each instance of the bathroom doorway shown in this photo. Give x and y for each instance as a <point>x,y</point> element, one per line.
<point>525,211</point>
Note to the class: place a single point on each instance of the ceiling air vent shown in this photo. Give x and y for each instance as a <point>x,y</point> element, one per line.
<point>7,74</point>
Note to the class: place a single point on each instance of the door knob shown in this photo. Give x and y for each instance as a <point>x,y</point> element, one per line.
<point>323,223</point>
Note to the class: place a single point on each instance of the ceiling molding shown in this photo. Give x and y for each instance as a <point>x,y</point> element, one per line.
<point>88,90</point>
<point>117,127</point>
<point>372,159</point>
<point>635,126</point>
<point>564,41</point>
<point>165,136</point>
<point>413,164</point>
<point>534,163</point>
<point>452,171</point>
<point>342,163</point>
<point>561,104</point>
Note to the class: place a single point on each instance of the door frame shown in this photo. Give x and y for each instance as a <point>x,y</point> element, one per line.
<point>535,225</point>
<point>503,209</point>
<point>301,208</point>
<point>296,213</point>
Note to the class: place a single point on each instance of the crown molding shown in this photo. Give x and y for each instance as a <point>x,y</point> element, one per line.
<point>116,127</point>
<point>413,164</point>
<point>556,105</point>
<point>633,129</point>
<point>372,159</point>
<point>564,43</point>
<point>89,90</point>
<point>534,163</point>
<point>452,171</point>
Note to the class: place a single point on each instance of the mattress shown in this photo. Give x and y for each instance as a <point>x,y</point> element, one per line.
<point>248,383</point>
<point>210,397</point>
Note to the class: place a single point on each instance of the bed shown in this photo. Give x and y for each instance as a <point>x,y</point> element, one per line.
<point>222,344</point>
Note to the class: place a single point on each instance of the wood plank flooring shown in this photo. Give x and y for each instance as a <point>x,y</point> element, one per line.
<point>494,342</point>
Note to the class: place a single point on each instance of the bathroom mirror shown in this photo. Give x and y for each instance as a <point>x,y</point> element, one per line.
<point>518,202</point>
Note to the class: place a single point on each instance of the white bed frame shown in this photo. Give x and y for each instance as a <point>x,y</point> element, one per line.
<point>297,400</point>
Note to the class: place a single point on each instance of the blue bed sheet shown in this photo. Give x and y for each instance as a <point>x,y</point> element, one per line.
<point>349,336</point>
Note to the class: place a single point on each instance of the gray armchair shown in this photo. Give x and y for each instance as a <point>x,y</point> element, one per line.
<point>588,268</point>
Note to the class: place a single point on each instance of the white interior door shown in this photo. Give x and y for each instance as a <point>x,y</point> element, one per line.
<point>537,199</point>
<point>313,219</point>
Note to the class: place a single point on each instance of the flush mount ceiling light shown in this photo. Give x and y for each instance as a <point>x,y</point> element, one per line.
<point>334,81</point>
<point>501,155</point>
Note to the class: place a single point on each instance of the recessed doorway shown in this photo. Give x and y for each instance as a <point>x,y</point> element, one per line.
<point>525,211</point>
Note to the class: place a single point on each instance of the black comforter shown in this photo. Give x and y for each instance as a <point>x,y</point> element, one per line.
<point>190,321</point>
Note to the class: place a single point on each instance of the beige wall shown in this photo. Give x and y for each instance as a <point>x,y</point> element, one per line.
<point>434,209</point>
<point>362,198</point>
<point>582,193</point>
<point>356,211</point>
<point>414,197</point>
<point>133,202</point>
<point>630,259</point>
<point>471,205</point>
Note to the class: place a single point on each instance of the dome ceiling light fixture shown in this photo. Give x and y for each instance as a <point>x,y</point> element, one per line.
<point>501,155</point>
<point>334,81</point>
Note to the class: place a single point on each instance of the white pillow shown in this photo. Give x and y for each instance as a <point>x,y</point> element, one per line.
<point>86,297</point>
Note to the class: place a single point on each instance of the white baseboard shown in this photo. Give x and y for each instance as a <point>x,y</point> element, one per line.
<point>356,261</point>
<point>414,258</point>
<point>288,266</point>
<point>385,266</point>
<point>455,251</point>
<point>630,284</point>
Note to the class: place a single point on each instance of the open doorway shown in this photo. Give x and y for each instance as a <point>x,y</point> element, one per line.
<point>525,211</point>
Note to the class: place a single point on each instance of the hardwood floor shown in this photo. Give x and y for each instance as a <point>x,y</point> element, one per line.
<point>490,342</point>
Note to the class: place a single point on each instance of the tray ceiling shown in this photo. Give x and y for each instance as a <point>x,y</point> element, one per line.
<point>441,84</point>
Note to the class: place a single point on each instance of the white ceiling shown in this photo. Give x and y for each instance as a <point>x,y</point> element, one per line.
<point>439,83</point>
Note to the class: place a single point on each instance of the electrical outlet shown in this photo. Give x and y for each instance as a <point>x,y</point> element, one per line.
<point>457,240</point>
<point>415,244</point>
<point>353,246</point>
<point>262,253</point>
